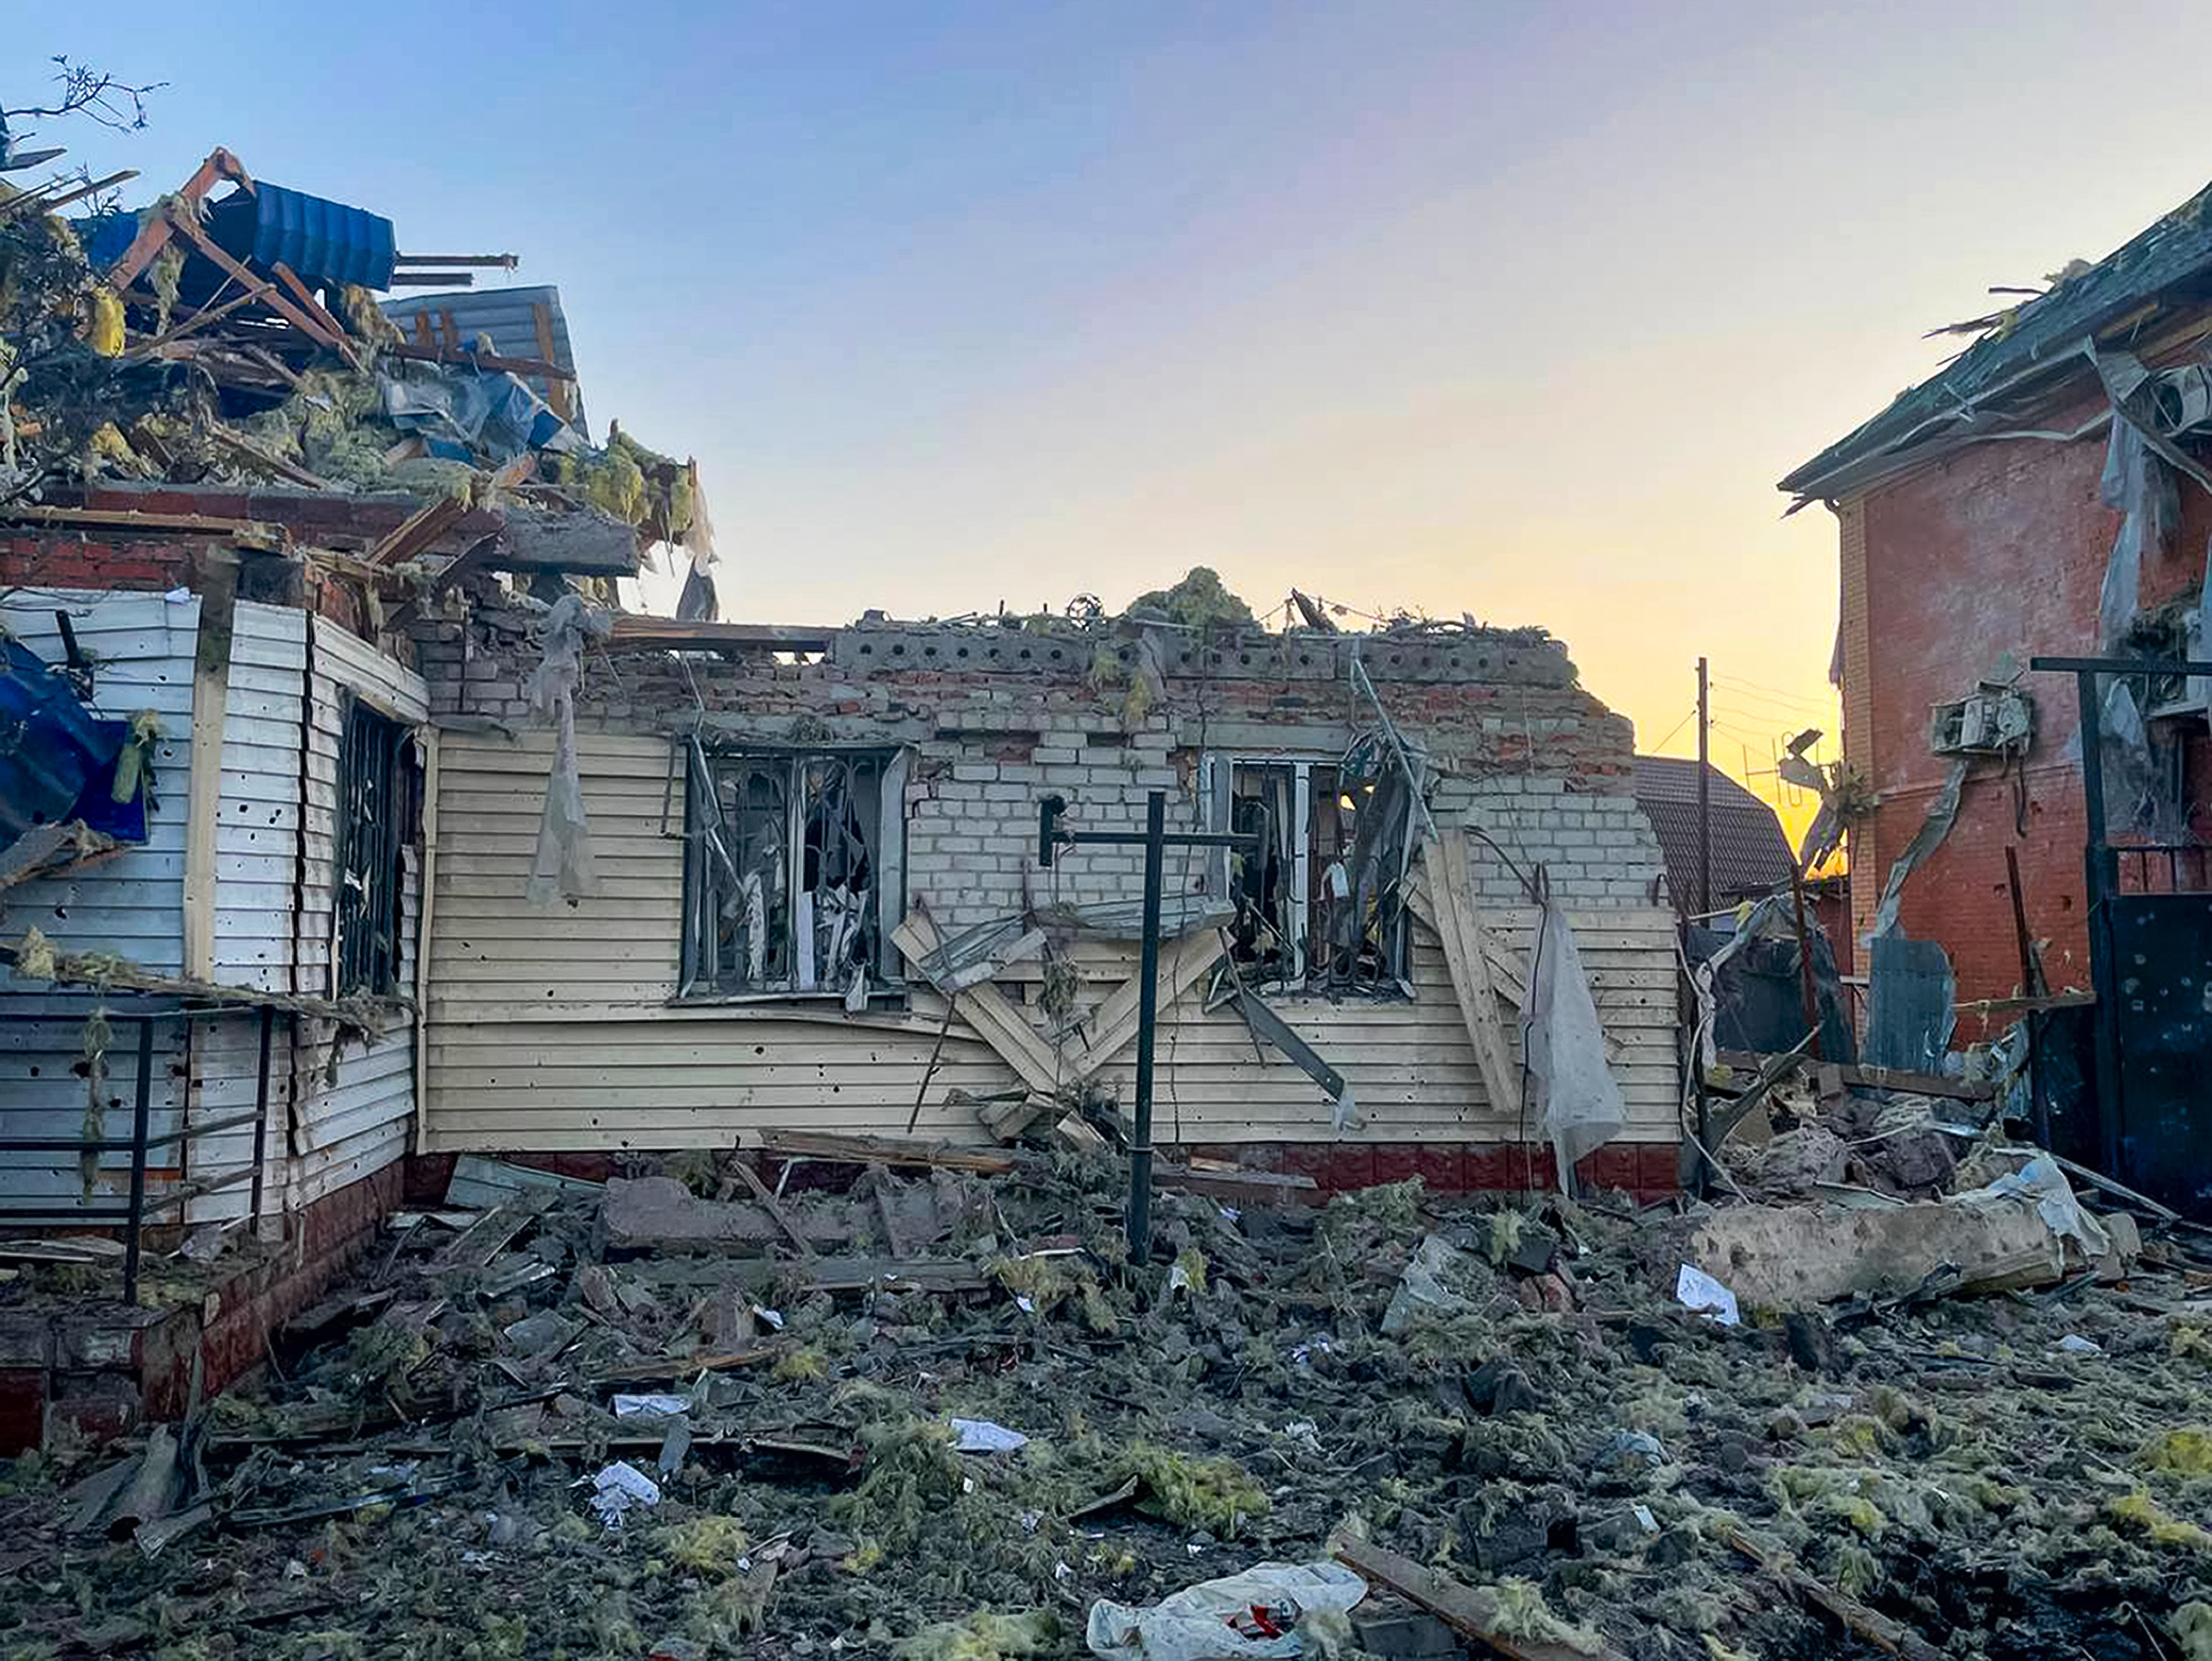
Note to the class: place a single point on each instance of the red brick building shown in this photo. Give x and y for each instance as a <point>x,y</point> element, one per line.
<point>1975,536</point>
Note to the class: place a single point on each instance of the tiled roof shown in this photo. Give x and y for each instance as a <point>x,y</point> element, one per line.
<point>1750,853</point>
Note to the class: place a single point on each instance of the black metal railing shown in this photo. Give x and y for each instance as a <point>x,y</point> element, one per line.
<point>132,1215</point>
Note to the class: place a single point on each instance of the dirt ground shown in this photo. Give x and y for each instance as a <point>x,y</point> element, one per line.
<point>2024,1475</point>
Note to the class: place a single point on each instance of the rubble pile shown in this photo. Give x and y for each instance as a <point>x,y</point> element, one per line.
<point>174,343</point>
<point>935,1412</point>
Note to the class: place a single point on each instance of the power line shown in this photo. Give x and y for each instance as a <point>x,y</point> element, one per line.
<point>1770,693</point>
<point>1688,716</point>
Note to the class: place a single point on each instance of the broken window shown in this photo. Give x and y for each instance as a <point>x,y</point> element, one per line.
<point>1317,898</point>
<point>378,799</point>
<point>795,863</point>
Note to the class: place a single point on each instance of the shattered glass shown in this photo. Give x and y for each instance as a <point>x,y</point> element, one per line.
<point>762,921</point>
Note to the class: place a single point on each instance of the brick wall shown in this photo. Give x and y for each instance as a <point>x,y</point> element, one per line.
<point>1993,555</point>
<point>1537,764</point>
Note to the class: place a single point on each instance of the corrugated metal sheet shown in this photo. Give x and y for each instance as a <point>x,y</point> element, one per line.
<point>322,240</point>
<point>509,316</point>
<point>132,904</point>
<point>551,1029</point>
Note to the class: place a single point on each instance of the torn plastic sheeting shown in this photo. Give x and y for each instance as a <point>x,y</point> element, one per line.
<point>1942,814</point>
<point>1194,1623</point>
<point>563,868</point>
<point>1577,1100</point>
<point>2131,791</point>
<point>2138,486</point>
<point>619,1486</point>
<point>1700,1293</point>
<point>662,1405</point>
<point>2041,1181</point>
<point>982,1436</point>
<point>1424,1286</point>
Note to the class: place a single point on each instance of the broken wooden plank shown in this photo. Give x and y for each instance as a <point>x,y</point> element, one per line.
<point>1182,964</point>
<point>895,1275</point>
<point>419,531</point>
<point>1459,927</point>
<point>1507,973</point>
<point>247,533</point>
<point>772,1206</point>
<point>1476,1613</point>
<point>1890,1637</point>
<point>986,1009</point>
<point>180,218</point>
<point>885,1150</point>
<point>1075,1132</point>
<point>244,449</point>
<point>491,1233</point>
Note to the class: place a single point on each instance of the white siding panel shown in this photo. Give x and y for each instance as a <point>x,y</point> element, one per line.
<point>350,1125</point>
<point>141,648</point>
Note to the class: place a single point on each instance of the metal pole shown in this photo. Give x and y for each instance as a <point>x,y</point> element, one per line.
<point>1148,998</point>
<point>2031,986</point>
<point>139,1130</point>
<point>2097,869</point>
<point>1704,800</point>
<point>261,1110</point>
<point>1805,983</point>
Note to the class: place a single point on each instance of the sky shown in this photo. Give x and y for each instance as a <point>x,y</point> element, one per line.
<point>1514,311</point>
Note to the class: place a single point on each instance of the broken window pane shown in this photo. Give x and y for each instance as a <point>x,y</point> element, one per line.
<point>1317,898</point>
<point>786,873</point>
<point>375,809</point>
<point>1264,880</point>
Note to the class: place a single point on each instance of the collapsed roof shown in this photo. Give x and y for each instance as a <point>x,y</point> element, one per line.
<point>2024,354</point>
<point>227,337</point>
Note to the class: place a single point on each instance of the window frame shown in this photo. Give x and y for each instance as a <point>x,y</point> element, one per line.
<point>697,980</point>
<point>371,810</point>
<point>1219,771</point>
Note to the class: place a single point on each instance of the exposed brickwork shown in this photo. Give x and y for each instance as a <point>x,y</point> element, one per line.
<point>1646,1170</point>
<point>1530,758</point>
<point>1996,554</point>
<point>104,1368</point>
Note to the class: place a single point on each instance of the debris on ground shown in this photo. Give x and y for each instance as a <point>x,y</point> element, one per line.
<point>940,1415</point>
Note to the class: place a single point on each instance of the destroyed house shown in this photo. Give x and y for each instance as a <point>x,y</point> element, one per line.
<point>229,485</point>
<point>799,845</point>
<point>2048,495</point>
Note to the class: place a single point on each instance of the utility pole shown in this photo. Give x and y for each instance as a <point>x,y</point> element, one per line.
<point>1704,800</point>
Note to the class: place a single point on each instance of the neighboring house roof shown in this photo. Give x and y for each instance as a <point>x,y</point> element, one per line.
<point>509,316</point>
<point>2046,332</point>
<point>1750,854</point>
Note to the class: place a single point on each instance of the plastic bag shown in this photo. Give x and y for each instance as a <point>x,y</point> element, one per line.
<point>1194,1624</point>
<point>1578,1102</point>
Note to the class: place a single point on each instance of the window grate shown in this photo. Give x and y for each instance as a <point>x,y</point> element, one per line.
<point>370,812</point>
<point>795,863</point>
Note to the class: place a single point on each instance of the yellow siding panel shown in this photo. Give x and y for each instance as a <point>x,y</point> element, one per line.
<point>553,1029</point>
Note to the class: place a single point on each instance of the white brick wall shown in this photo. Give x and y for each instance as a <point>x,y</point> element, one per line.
<point>1599,849</point>
<point>971,828</point>
<point>971,836</point>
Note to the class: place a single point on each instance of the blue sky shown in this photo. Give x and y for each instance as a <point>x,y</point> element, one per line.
<point>1517,310</point>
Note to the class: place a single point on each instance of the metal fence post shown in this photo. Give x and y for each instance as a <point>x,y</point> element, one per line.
<point>139,1130</point>
<point>261,1112</point>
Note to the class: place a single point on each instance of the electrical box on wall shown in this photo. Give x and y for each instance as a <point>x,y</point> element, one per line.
<point>1995,718</point>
